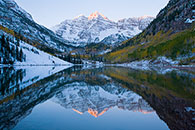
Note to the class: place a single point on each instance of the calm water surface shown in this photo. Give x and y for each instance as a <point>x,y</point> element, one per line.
<point>88,98</point>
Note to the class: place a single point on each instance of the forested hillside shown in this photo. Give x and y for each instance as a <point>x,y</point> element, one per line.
<point>9,52</point>
<point>171,35</point>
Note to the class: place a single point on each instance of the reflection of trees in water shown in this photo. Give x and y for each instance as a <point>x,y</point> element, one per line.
<point>167,94</point>
<point>10,79</point>
<point>15,107</point>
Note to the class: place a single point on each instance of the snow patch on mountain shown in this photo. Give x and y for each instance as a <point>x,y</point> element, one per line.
<point>97,28</point>
<point>37,57</point>
<point>189,20</point>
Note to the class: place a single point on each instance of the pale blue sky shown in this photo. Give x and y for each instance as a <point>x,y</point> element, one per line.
<point>52,12</point>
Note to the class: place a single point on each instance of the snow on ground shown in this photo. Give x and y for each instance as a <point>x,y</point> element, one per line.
<point>189,20</point>
<point>160,65</point>
<point>143,65</point>
<point>105,77</point>
<point>160,62</point>
<point>188,109</point>
<point>91,62</point>
<point>106,51</point>
<point>36,57</point>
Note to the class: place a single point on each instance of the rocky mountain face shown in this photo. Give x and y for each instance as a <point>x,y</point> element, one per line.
<point>97,28</point>
<point>19,21</point>
<point>170,35</point>
<point>178,15</point>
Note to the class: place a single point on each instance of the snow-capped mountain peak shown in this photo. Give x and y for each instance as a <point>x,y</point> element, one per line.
<point>97,28</point>
<point>80,17</point>
<point>97,15</point>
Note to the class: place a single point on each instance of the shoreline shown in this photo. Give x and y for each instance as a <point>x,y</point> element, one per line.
<point>116,65</point>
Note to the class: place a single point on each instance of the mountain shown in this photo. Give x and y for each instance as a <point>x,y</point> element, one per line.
<point>18,22</point>
<point>178,15</point>
<point>23,41</point>
<point>96,100</point>
<point>97,28</point>
<point>13,51</point>
<point>171,35</point>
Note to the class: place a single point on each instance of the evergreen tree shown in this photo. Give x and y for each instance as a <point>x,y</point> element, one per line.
<point>3,41</point>
<point>8,45</point>
<point>13,53</point>
<point>17,53</point>
<point>21,55</point>
<point>69,57</point>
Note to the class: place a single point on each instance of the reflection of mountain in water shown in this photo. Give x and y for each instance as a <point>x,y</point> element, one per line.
<point>96,100</point>
<point>16,105</point>
<point>170,95</point>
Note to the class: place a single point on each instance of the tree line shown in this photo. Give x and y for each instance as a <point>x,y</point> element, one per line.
<point>9,53</point>
<point>75,59</point>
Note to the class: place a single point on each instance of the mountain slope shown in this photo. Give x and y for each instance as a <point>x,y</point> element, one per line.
<point>21,23</point>
<point>17,52</point>
<point>27,43</point>
<point>99,29</point>
<point>37,57</point>
<point>171,34</point>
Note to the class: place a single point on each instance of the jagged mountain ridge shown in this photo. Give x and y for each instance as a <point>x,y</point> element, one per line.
<point>97,28</point>
<point>15,18</point>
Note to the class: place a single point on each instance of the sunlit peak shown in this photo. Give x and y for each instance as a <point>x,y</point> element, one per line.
<point>96,15</point>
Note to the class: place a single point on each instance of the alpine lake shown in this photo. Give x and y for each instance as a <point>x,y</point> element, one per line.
<point>96,98</point>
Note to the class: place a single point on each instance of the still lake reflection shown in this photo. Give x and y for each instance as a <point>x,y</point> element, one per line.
<point>108,98</point>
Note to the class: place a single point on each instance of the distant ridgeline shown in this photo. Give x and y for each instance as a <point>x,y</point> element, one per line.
<point>10,51</point>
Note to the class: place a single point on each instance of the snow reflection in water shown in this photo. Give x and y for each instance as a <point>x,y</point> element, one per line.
<point>112,94</point>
